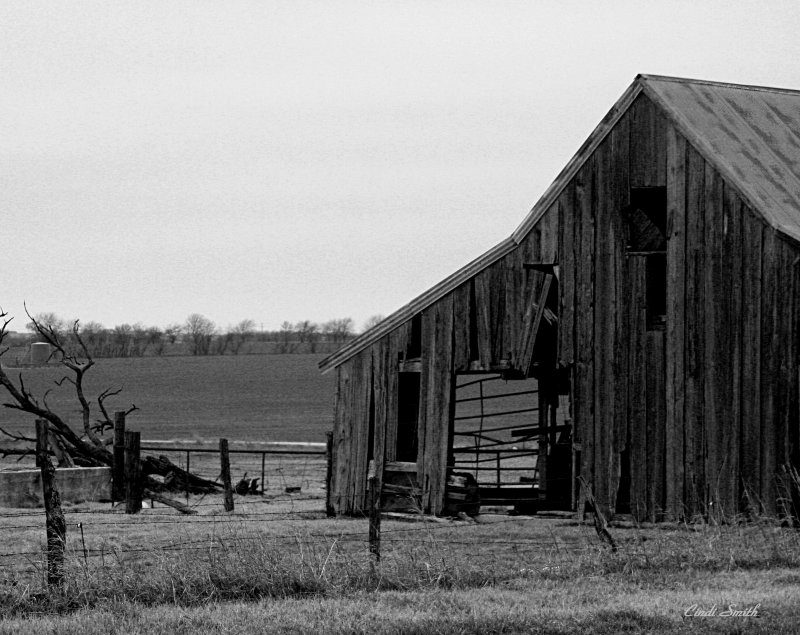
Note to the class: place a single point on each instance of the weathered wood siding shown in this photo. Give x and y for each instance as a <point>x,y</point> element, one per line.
<point>492,305</point>
<point>706,409</point>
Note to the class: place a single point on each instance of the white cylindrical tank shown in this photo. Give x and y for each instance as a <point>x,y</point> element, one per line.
<point>40,353</point>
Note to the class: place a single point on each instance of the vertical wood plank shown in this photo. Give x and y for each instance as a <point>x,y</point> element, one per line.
<point>436,391</point>
<point>351,433</point>
<point>548,248</point>
<point>620,138</point>
<point>793,413</point>
<point>750,432</point>
<point>786,372</point>
<point>769,344</point>
<point>352,422</point>
<point>713,316</point>
<point>381,369</point>
<point>656,417</point>
<point>397,344</point>
<point>444,409</point>
<point>483,300</point>
<point>695,334</point>
<point>676,317</point>
<point>566,286</point>
<point>423,429</point>
<point>461,327</point>
<point>340,439</point>
<point>497,311</point>
<point>512,283</point>
<point>363,400</point>
<point>604,327</point>
<point>636,380</point>
<point>584,305</point>
<point>794,429</point>
<point>730,347</point>
<point>648,144</point>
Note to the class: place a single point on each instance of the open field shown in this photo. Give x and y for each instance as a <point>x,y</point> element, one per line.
<point>243,397</point>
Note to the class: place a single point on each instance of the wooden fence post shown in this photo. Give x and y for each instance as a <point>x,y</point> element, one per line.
<point>133,472</point>
<point>329,510</point>
<point>225,464</point>
<point>374,518</point>
<point>56,524</point>
<point>118,470</point>
<point>263,473</point>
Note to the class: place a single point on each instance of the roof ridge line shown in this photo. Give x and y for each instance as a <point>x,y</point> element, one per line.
<point>708,82</point>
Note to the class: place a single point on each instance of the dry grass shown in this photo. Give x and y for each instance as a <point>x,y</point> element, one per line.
<point>504,574</point>
<point>277,564</point>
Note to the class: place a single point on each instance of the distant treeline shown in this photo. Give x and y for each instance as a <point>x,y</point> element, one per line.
<point>197,335</point>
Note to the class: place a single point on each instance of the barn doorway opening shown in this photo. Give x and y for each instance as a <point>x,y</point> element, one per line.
<point>513,441</point>
<point>408,392</point>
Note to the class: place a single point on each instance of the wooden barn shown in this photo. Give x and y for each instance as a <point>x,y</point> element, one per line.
<point>647,308</point>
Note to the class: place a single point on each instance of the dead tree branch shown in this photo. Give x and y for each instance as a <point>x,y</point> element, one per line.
<point>78,363</point>
<point>87,447</point>
<point>17,437</point>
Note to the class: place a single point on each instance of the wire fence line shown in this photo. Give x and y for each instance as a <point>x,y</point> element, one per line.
<point>416,533</point>
<point>287,512</point>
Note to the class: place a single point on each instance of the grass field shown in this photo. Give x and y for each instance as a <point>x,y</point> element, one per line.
<point>266,568</point>
<point>244,397</point>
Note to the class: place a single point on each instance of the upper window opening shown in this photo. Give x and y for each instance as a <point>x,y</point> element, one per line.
<point>646,221</point>
<point>414,349</point>
<point>646,218</point>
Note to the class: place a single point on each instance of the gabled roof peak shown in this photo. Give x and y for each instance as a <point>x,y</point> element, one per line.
<point>706,82</point>
<point>750,134</point>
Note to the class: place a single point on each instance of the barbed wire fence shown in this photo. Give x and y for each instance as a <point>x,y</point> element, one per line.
<point>288,511</point>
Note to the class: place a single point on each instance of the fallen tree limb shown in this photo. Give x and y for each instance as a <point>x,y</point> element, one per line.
<point>153,495</point>
<point>176,478</point>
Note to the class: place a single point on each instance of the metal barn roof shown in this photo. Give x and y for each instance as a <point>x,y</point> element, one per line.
<point>750,134</point>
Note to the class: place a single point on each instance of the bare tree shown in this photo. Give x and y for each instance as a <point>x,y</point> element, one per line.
<point>94,336</point>
<point>242,332</point>
<point>154,337</point>
<point>223,341</point>
<point>122,340</point>
<point>286,337</point>
<point>340,329</point>
<point>173,332</point>
<point>139,341</point>
<point>200,331</point>
<point>49,320</point>
<point>89,445</point>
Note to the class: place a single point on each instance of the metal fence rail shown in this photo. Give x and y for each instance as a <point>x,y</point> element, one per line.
<point>318,450</point>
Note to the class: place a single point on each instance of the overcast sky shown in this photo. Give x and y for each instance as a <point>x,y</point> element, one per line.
<point>287,160</point>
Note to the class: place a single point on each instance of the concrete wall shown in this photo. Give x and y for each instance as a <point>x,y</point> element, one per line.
<point>75,485</point>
